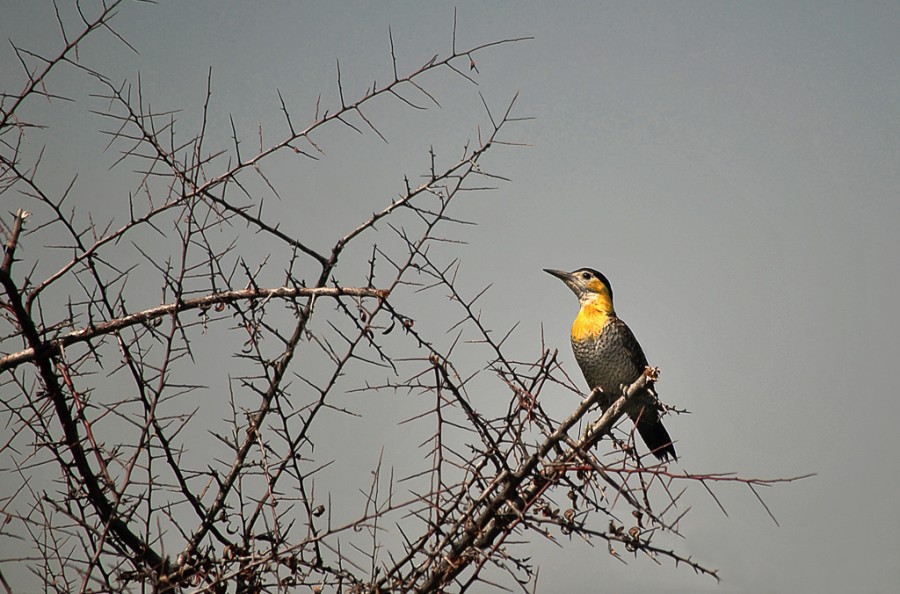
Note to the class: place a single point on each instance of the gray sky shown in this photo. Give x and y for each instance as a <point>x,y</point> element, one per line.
<point>733,168</point>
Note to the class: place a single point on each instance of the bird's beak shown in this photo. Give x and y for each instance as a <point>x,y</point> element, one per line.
<point>560,274</point>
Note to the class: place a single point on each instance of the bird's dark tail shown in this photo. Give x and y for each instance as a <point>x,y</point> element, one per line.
<point>657,438</point>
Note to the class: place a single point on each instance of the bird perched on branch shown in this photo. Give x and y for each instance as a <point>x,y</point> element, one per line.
<point>610,357</point>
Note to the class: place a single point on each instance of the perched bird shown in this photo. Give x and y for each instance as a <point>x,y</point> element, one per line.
<point>609,355</point>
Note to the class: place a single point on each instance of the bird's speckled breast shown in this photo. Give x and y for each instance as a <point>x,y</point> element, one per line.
<point>610,355</point>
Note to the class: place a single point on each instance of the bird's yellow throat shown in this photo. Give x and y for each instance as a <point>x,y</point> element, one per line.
<point>592,317</point>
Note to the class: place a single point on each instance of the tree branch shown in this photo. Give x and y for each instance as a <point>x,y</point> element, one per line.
<point>53,347</point>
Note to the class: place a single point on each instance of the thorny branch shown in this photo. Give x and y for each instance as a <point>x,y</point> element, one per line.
<point>136,476</point>
<point>152,315</point>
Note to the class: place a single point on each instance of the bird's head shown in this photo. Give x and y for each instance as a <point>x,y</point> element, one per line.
<point>589,285</point>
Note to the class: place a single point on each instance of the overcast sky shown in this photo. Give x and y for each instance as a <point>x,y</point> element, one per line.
<point>733,168</point>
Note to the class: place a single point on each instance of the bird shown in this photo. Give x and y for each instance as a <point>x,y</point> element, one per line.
<point>610,357</point>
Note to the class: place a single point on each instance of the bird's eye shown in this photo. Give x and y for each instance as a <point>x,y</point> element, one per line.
<point>585,275</point>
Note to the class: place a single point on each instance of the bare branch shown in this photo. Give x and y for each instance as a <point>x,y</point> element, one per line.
<point>54,346</point>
